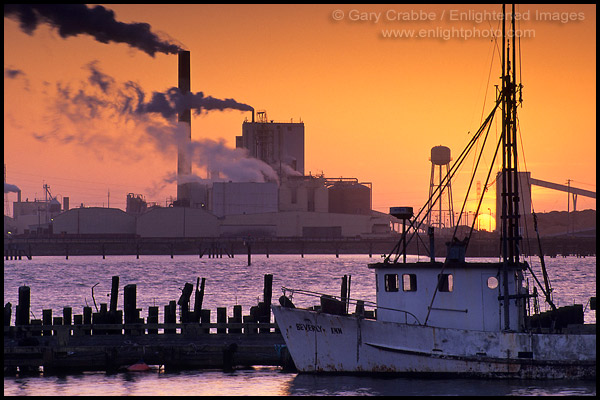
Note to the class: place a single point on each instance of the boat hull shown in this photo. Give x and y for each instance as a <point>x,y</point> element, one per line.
<point>320,342</point>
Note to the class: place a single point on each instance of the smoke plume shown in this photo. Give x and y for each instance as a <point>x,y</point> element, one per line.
<point>98,22</point>
<point>10,188</point>
<point>87,115</point>
<point>13,73</point>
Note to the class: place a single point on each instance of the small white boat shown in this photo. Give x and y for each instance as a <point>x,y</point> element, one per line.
<point>454,317</point>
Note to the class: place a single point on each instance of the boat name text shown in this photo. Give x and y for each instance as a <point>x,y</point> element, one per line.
<point>317,328</point>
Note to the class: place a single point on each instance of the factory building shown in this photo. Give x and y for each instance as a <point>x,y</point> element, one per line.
<point>177,222</point>
<point>94,221</point>
<point>306,224</point>
<point>35,216</point>
<point>279,144</point>
<point>243,198</point>
<point>136,204</point>
<point>303,193</point>
<point>296,206</point>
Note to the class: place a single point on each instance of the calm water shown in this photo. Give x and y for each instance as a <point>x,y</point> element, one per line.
<point>56,283</point>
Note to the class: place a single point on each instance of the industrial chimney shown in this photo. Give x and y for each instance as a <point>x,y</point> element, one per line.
<point>184,164</point>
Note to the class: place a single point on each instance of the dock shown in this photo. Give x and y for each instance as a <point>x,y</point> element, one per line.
<point>482,245</point>
<point>112,340</point>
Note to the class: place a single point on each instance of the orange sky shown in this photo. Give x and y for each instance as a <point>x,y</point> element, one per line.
<point>373,107</point>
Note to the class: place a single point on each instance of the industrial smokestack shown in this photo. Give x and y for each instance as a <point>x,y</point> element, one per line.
<point>184,164</point>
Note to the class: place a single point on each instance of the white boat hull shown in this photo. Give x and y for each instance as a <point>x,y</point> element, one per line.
<point>320,342</point>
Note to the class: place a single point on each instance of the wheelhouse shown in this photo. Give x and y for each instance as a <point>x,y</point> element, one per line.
<point>455,295</point>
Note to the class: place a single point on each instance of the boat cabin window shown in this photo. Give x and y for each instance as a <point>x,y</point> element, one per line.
<point>409,282</point>
<point>492,282</point>
<point>391,282</point>
<point>445,282</point>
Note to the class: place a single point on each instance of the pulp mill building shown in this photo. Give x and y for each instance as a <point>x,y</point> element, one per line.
<point>288,203</point>
<point>295,205</point>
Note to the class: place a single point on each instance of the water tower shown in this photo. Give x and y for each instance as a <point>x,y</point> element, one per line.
<point>440,211</point>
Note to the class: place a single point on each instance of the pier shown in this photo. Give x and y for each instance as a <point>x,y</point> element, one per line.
<point>483,244</point>
<point>113,340</point>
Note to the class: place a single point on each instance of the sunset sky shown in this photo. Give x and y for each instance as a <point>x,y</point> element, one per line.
<point>373,106</point>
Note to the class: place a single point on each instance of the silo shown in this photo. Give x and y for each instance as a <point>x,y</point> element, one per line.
<point>349,198</point>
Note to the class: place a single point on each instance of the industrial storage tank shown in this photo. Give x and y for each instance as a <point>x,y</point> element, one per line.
<point>440,155</point>
<point>349,198</point>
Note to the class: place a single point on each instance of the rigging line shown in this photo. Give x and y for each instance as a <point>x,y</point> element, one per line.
<point>461,158</point>
<point>437,195</point>
<point>487,86</point>
<point>583,183</point>
<point>520,64</point>
<point>548,291</point>
<point>446,181</point>
<point>486,181</point>
<point>489,126</point>
<point>495,40</point>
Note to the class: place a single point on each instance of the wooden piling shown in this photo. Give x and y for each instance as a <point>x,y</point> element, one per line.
<point>111,352</point>
<point>56,322</point>
<point>37,322</point>
<point>268,291</point>
<point>22,313</point>
<point>130,312</point>
<point>198,298</point>
<point>237,318</point>
<point>249,253</point>
<point>67,313</point>
<point>360,308</point>
<point>87,319</point>
<point>221,318</point>
<point>344,290</point>
<point>114,294</point>
<point>170,315</point>
<point>7,313</point>
<point>104,317</point>
<point>184,302</point>
<point>249,319</point>
<point>205,319</point>
<point>152,319</point>
<point>78,320</point>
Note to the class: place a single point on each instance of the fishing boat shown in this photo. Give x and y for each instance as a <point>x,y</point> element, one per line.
<point>451,317</point>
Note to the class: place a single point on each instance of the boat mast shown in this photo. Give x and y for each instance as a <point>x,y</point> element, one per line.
<point>510,180</point>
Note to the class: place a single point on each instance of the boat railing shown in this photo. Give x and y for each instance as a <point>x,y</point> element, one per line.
<point>359,303</point>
